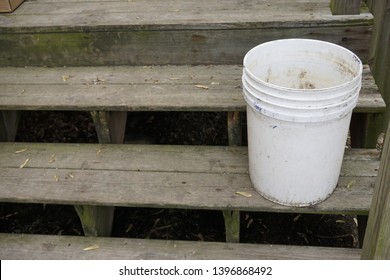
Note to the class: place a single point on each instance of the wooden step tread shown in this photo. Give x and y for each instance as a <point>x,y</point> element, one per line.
<point>87,15</point>
<point>190,177</point>
<point>20,246</point>
<point>140,88</point>
<point>186,32</point>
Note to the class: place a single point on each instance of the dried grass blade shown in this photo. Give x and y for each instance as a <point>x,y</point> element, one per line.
<point>24,163</point>
<point>244,194</point>
<point>20,151</point>
<point>93,247</point>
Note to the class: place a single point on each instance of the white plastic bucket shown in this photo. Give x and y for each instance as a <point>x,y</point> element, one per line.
<point>300,95</point>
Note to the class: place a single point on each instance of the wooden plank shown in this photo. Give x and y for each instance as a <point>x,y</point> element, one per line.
<point>232,218</point>
<point>138,158</point>
<point>167,190</point>
<point>101,119</point>
<point>380,49</point>
<point>379,57</point>
<point>369,92</point>
<point>147,158</point>
<point>117,125</point>
<point>365,128</point>
<point>234,121</point>
<point>232,225</point>
<point>122,75</point>
<point>110,128</point>
<point>369,127</point>
<point>81,16</point>
<point>377,240</point>
<point>15,246</point>
<point>9,121</point>
<point>190,177</point>
<point>157,88</point>
<point>345,7</point>
<point>190,47</point>
<point>130,33</point>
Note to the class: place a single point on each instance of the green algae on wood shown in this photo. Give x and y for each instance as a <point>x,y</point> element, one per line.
<point>225,46</point>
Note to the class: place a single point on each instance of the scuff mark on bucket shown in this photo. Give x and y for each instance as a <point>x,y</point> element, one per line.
<point>257,106</point>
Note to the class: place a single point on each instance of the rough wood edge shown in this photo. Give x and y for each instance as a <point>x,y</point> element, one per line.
<point>380,49</point>
<point>377,238</point>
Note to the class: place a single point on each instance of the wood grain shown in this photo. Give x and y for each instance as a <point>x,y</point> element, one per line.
<point>345,7</point>
<point>377,239</point>
<point>16,246</point>
<point>85,15</point>
<point>88,33</point>
<point>139,88</point>
<point>160,176</point>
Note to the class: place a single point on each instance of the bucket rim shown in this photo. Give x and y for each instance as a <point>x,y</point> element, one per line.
<point>308,91</point>
<point>304,107</point>
<point>300,98</point>
<point>316,115</point>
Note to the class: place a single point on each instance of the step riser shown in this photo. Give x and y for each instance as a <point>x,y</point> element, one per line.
<point>162,46</point>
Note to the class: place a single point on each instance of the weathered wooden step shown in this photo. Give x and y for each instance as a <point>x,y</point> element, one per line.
<point>20,246</point>
<point>121,32</point>
<point>140,88</point>
<point>54,15</point>
<point>197,177</point>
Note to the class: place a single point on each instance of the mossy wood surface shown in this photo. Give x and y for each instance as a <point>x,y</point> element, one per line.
<point>232,225</point>
<point>194,177</point>
<point>86,33</point>
<point>139,88</point>
<point>161,47</point>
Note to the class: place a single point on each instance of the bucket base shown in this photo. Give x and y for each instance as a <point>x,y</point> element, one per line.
<point>300,204</point>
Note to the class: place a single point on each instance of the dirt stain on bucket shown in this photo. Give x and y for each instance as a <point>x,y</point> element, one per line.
<point>268,77</point>
<point>304,84</point>
<point>344,67</point>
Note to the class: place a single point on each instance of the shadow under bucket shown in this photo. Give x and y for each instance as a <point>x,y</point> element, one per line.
<point>300,95</point>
